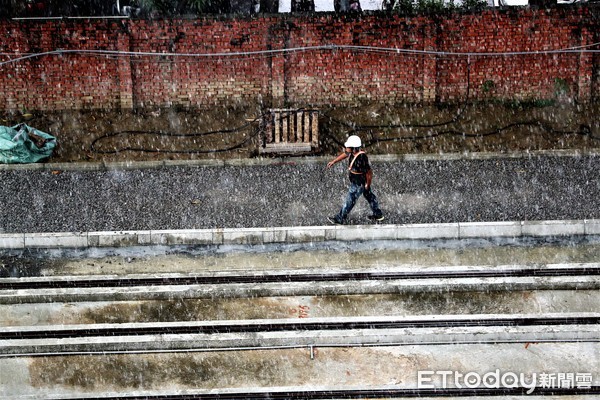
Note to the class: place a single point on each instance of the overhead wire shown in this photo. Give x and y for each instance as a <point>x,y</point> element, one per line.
<point>270,52</point>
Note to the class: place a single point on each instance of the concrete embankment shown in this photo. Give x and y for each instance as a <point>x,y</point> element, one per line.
<point>471,306</point>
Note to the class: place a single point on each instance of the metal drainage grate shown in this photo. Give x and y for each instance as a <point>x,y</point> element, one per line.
<point>290,131</point>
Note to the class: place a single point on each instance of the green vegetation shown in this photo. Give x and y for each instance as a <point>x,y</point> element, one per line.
<point>488,86</point>
<point>531,103</point>
<point>561,86</point>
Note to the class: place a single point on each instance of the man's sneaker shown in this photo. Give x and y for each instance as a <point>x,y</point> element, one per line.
<point>335,220</point>
<point>376,217</point>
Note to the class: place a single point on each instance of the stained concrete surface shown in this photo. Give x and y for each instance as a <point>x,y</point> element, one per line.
<point>411,256</point>
<point>105,136</point>
<point>309,256</point>
<point>329,367</point>
<point>400,304</point>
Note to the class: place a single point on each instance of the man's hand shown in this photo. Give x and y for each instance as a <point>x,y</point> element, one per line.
<point>368,179</point>
<point>330,164</point>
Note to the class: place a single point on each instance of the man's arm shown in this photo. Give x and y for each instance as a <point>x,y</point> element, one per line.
<point>369,178</point>
<point>339,158</point>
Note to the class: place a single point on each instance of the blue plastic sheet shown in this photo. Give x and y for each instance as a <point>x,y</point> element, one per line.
<point>22,144</point>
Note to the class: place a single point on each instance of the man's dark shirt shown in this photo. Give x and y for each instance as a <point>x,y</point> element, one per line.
<point>360,168</point>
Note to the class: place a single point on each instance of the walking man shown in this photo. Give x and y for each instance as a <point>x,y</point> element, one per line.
<point>361,175</point>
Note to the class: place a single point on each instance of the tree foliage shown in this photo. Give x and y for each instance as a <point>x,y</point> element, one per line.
<point>175,8</point>
<point>182,7</point>
<point>413,7</point>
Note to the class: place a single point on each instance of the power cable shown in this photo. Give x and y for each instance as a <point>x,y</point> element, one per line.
<point>330,47</point>
<point>354,128</point>
<point>238,145</point>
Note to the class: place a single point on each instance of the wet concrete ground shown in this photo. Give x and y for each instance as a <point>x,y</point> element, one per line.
<point>324,257</point>
<point>298,192</point>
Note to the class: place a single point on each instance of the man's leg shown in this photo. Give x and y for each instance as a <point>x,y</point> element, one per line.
<point>354,193</point>
<point>372,199</point>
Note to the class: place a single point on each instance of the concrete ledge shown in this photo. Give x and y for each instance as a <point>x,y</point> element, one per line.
<point>311,234</point>
<point>196,163</point>
<point>97,166</point>
<point>56,239</point>
<point>358,337</point>
<point>298,337</point>
<point>553,228</point>
<point>301,234</point>
<point>490,229</point>
<point>119,239</point>
<point>12,241</point>
<point>125,165</point>
<point>89,166</point>
<point>291,289</point>
<point>592,226</point>
<point>428,231</point>
<point>191,236</point>
<point>275,235</point>
<point>366,232</point>
<point>242,236</point>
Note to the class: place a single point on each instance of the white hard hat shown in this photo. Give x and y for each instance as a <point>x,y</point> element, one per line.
<point>353,141</point>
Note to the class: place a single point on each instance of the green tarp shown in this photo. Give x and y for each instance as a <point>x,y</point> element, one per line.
<point>23,144</point>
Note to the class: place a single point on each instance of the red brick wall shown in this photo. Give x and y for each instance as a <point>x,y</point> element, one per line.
<point>68,81</point>
<point>197,81</point>
<point>305,76</point>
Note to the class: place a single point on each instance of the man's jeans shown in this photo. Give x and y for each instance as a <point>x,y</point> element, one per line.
<point>354,192</point>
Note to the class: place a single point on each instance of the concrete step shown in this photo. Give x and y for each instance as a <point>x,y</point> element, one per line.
<point>220,308</point>
<point>307,332</point>
<point>409,371</point>
<point>225,284</point>
<point>174,326</point>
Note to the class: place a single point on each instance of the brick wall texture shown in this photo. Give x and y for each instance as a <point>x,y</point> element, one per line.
<point>300,60</point>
